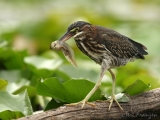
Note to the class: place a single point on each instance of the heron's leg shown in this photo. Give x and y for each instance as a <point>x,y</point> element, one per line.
<point>104,67</point>
<point>113,98</point>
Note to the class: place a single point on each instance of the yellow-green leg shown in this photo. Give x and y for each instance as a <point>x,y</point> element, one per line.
<point>104,67</point>
<point>113,98</point>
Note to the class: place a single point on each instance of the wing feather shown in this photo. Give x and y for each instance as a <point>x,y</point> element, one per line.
<point>120,45</point>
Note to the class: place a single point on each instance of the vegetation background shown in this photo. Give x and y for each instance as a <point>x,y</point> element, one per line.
<point>27,28</point>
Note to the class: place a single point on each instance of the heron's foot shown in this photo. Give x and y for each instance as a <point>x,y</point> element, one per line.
<point>113,98</point>
<point>83,102</point>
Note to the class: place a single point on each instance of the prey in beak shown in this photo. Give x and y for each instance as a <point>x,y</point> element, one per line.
<point>73,31</point>
<point>66,49</point>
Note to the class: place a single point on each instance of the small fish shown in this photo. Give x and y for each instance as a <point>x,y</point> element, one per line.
<point>66,49</point>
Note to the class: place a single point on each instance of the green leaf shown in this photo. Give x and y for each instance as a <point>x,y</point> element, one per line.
<point>88,73</point>
<point>12,59</point>
<point>53,104</point>
<point>19,102</point>
<point>42,66</point>
<point>71,91</point>
<point>30,90</point>
<point>137,87</point>
<point>3,84</point>
<point>9,115</point>
<point>14,78</point>
<point>43,63</point>
<point>50,54</point>
<point>11,75</point>
<point>62,76</point>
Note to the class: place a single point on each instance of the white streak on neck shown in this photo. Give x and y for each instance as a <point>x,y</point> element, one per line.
<point>79,33</point>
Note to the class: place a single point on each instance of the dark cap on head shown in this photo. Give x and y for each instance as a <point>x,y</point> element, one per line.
<point>78,24</point>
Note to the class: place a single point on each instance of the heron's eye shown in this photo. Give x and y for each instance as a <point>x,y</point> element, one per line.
<point>75,29</point>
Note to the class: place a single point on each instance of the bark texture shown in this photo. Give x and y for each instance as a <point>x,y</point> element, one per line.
<point>141,107</point>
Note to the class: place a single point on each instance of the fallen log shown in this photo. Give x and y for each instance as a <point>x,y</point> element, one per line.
<point>140,107</point>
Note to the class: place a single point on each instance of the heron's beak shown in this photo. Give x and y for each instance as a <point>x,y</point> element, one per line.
<point>66,36</point>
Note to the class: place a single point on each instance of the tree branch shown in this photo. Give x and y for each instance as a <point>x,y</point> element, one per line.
<point>140,107</point>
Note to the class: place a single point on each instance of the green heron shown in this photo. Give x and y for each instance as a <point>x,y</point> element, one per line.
<point>107,48</point>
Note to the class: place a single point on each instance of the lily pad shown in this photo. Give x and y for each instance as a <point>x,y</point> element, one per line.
<point>43,63</point>
<point>71,91</point>
<point>136,88</point>
<point>12,102</point>
<point>14,78</point>
<point>42,66</point>
<point>3,84</point>
<point>10,115</point>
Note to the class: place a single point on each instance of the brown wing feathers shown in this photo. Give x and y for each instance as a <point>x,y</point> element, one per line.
<point>122,46</point>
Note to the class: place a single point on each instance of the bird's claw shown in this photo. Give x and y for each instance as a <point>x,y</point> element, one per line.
<point>83,102</point>
<point>111,101</point>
